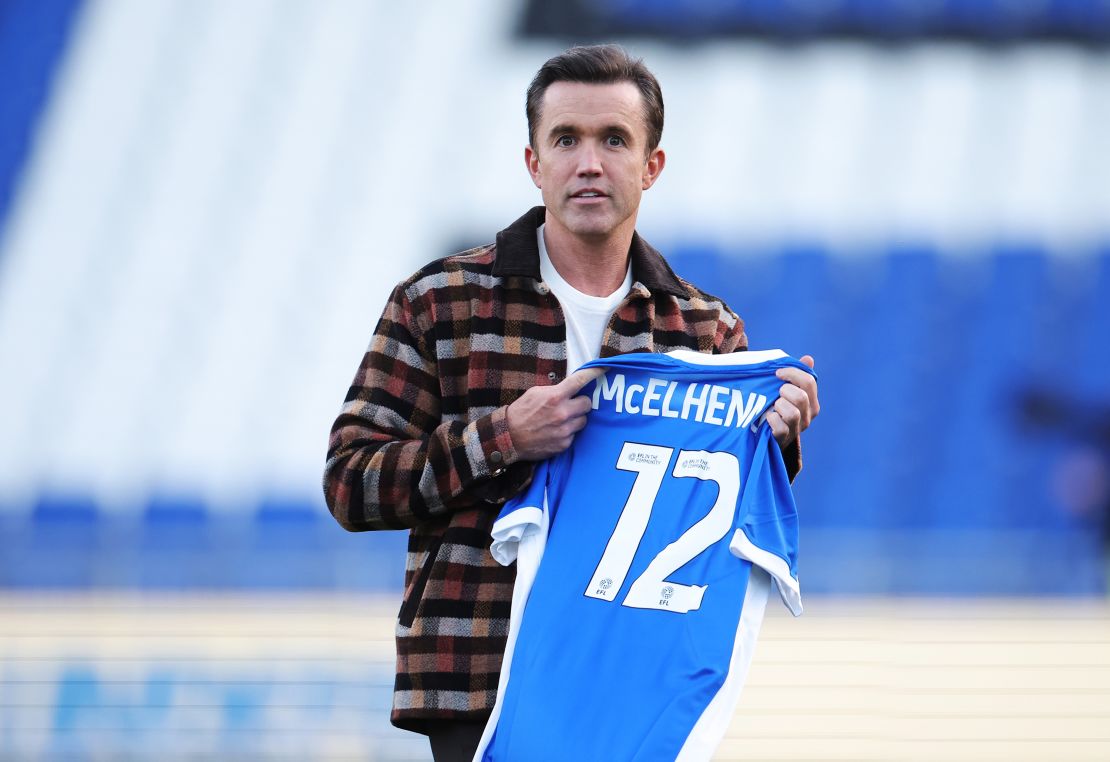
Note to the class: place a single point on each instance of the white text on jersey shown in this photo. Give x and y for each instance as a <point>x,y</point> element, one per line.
<point>704,403</point>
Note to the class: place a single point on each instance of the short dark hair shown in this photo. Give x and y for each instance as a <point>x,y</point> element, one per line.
<point>599,65</point>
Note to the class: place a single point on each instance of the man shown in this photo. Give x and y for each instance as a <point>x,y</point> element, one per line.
<point>464,386</point>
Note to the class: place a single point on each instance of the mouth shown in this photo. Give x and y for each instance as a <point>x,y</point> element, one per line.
<point>588,194</point>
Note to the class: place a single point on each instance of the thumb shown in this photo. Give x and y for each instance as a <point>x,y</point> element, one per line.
<point>574,383</point>
<point>808,360</point>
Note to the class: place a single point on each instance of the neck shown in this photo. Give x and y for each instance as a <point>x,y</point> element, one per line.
<point>594,266</point>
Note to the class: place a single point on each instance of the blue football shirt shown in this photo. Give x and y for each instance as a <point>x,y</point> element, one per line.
<point>659,532</point>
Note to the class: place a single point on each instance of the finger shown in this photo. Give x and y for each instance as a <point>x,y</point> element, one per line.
<point>779,429</point>
<point>805,382</point>
<point>579,406</point>
<point>794,394</point>
<point>797,376</point>
<point>790,414</point>
<point>574,383</point>
<point>802,380</point>
<point>800,403</point>
<point>574,425</point>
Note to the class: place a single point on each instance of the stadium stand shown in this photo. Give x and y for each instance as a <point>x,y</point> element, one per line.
<point>204,204</point>
<point>957,340</point>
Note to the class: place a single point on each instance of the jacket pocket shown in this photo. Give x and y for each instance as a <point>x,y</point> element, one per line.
<point>407,615</point>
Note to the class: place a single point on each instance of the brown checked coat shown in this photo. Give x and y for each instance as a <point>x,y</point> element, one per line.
<point>422,441</point>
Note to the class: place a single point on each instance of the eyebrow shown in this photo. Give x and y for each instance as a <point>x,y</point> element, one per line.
<point>563,129</point>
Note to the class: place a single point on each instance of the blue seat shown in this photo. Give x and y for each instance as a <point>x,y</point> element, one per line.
<point>176,522</point>
<point>286,546</point>
<point>1092,327</point>
<point>62,544</point>
<point>178,546</point>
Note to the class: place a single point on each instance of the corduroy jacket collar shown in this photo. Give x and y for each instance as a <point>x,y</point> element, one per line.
<point>518,254</point>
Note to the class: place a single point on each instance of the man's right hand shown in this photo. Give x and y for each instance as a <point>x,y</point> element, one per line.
<point>544,420</point>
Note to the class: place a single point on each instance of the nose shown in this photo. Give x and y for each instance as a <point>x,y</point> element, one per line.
<point>589,160</point>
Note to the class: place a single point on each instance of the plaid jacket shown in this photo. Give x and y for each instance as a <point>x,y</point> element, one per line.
<point>422,441</point>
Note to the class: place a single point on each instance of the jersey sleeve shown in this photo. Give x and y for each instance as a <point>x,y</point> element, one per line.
<point>522,517</point>
<point>767,534</point>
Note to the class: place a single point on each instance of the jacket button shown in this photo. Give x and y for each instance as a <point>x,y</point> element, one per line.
<point>496,456</point>
<point>552,376</point>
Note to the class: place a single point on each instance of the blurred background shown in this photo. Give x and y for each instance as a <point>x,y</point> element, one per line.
<point>203,206</point>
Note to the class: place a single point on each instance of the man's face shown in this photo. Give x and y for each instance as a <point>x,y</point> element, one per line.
<point>590,159</point>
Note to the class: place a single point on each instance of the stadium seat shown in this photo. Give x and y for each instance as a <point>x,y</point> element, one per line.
<point>61,546</point>
<point>178,546</point>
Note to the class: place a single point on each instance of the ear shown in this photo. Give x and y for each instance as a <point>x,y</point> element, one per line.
<point>653,168</point>
<point>532,162</point>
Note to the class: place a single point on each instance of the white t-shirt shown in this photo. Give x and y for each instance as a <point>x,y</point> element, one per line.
<point>586,315</point>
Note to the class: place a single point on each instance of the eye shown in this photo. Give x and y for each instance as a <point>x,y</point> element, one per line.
<point>565,141</point>
<point>615,141</point>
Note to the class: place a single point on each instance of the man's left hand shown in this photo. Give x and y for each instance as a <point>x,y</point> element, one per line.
<point>796,406</point>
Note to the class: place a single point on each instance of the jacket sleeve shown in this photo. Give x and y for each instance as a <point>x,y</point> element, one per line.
<point>392,463</point>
